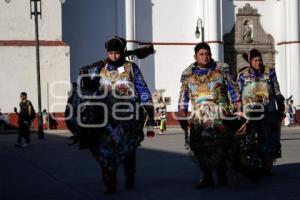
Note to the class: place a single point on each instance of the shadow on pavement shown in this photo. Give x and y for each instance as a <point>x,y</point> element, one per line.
<point>50,169</point>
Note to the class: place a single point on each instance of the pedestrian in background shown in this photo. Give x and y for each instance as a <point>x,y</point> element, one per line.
<point>25,117</point>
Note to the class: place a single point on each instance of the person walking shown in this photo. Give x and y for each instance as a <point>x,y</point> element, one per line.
<point>260,93</point>
<point>25,116</point>
<point>209,87</point>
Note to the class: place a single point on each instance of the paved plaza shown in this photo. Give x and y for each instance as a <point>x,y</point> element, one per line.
<point>52,170</point>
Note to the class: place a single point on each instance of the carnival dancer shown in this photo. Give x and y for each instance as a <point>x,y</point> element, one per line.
<point>207,84</point>
<point>264,107</point>
<point>120,95</point>
<point>161,109</point>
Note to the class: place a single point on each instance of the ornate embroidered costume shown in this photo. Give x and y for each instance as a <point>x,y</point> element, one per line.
<point>260,90</point>
<point>107,111</point>
<point>212,94</point>
<point>120,88</point>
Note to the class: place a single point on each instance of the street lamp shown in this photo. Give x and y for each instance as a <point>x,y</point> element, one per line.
<point>36,10</point>
<point>198,32</point>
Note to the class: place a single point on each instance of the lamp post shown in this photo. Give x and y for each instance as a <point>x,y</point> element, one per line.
<point>198,32</point>
<point>36,10</point>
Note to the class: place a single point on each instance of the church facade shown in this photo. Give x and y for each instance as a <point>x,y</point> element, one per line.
<point>231,27</point>
<point>74,32</point>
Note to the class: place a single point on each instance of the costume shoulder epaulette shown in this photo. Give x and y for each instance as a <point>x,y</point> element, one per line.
<point>187,72</point>
<point>28,103</point>
<point>244,71</point>
<point>270,69</point>
<point>128,64</point>
<point>224,67</point>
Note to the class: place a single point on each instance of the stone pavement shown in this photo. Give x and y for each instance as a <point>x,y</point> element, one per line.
<point>52,170</point>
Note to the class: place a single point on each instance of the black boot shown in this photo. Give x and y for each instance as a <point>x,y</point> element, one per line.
<point>129,169</point>
<point>110,181</point>
<point>267,168</point>
<point>207,179</point>
<point>130,181</point>
<point>222,177</point>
